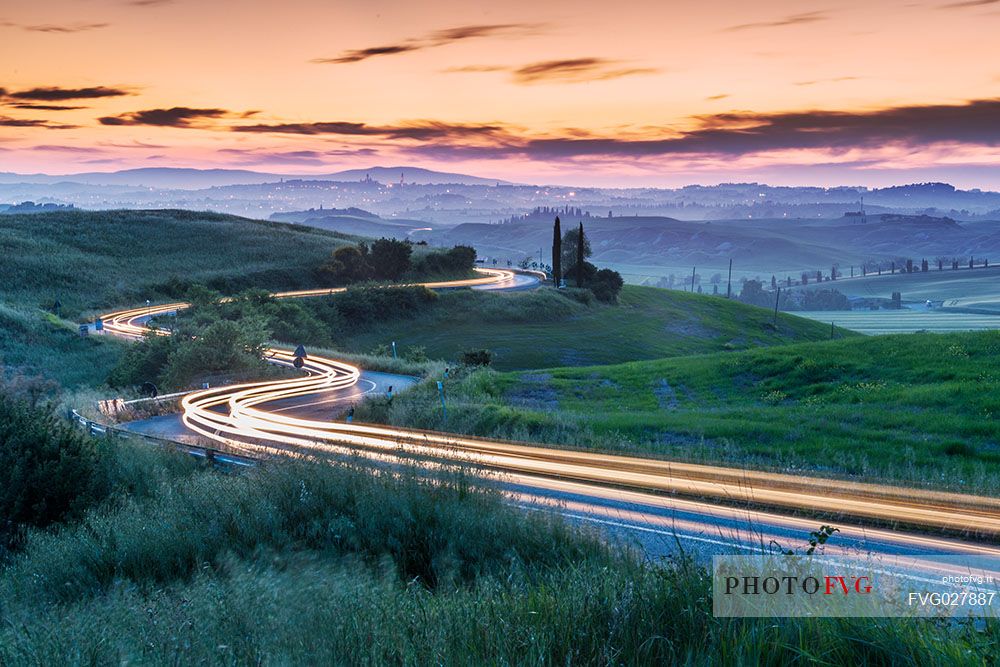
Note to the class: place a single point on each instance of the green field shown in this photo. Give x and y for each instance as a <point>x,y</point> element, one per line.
<point>978,284</point>
<point>918,408</point>
<point>543,328</point>
<point>90,261</point>
<point>936,320</point>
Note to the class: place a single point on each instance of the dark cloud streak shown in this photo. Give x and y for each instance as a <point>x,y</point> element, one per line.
<point>56,94</point>
<point>183,117</point>
<point>575,70</point>
<point>793,19</point>
<point>432,40</point>
<point>65,28</point>
<point>44,107</point>
<point>7,121</point>
<point>740,133</point>
<point>417,130</point>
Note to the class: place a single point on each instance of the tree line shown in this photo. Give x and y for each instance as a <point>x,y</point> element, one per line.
<point>569,259</point>
<point>392,259</point>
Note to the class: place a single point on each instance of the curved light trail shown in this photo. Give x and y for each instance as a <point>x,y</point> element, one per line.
<point>233,415</point>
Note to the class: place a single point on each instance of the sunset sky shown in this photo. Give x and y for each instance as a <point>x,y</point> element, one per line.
<point>586,92</point>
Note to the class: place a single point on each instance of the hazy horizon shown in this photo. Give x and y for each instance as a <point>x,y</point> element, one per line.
<point>993,186</point>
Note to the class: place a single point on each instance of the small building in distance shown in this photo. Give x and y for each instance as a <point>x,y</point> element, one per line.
<point>858,216</point>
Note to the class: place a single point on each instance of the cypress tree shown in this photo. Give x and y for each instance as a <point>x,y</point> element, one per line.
<point>556,253</point>
<point>579,257</point>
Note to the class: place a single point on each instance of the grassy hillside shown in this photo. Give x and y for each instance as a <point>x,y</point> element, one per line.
<point>34,343</point>
<point>543,328</point>
<point>96,259</point>
<point>89,261</point>
<point>920,408</point>
<point>202,568</point>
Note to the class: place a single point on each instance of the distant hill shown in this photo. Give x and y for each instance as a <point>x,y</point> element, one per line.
<point>412,175</point>
<point>757,245</point>
<point>302,216</point>
<point>189,179</point>
<point>32,207</point>
<point>354,221</point>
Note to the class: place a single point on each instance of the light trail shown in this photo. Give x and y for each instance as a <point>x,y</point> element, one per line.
<point>233,415</point>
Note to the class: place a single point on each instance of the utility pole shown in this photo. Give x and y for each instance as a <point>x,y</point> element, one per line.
<point>693,269</point>
<point>729,285</point>
<point>556,253</point>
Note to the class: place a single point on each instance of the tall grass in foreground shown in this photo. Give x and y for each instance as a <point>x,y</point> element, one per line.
<point>320,564</point>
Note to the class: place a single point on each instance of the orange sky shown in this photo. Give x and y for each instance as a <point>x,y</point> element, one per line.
<point>573,92</point>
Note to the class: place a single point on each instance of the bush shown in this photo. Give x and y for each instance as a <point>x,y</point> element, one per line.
<point>363,305</point>
<point>477,358</point>
<point>49,471</point>
<point>390,259</point>
<point>415,353</point>
<point>606,285</point>
<point>143,362</point>
<point>457,261</point>
<point>349,264</point>
<point>223,346</point>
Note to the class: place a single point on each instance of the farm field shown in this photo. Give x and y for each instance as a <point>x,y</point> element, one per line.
<point>874,322</point>
<point>979,284</point>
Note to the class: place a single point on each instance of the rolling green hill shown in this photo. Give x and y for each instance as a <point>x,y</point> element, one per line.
<point>920,408</point>
<point>88,261</point>
<point>543,328</point>
<point>97,259</point>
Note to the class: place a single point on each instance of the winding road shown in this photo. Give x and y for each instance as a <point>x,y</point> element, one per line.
<point>663,505</point>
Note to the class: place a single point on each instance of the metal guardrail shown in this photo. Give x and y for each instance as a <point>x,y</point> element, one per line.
<point>212,454</point>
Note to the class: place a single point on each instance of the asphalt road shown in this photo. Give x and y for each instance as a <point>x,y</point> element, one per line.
<point>664,506</point>
<point>327,405</point>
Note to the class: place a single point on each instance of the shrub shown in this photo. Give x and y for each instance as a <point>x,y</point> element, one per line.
<point>477,358</point>
<point>49,471</point>
<point>606,285</point>
<point>369,304</point>
<point>223,346</point>
<point>457,261</point>
<point>143,362</point>
<point>349,264</point>
<point>390,259</point>
<point>415,353</point>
